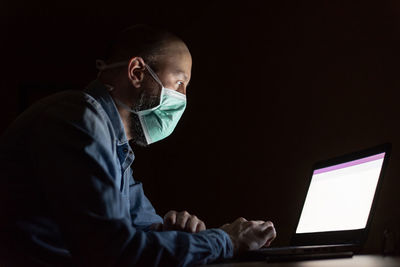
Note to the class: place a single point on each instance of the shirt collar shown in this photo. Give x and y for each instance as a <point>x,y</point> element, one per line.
<point>99,92</point>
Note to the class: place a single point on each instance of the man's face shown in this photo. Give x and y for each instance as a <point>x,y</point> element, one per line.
<point>174,70</point>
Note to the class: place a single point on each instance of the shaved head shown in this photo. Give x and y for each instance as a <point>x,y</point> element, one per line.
<point>143,41</point>
<point>130,80</point>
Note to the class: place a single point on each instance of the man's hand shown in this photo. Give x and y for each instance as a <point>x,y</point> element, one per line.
<point>250,235</point>
<point>182,221</point>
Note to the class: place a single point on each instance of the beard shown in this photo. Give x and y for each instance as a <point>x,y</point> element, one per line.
<point>145,102</point>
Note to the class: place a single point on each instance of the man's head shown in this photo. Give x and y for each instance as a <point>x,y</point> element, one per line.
<point>132,81</point>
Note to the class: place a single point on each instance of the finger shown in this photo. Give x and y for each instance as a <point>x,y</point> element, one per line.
<point>156,227</point>
<point>267,244</point>
<point>181,220</point>
<point>265,231</point>
<point>170,219</point>
<point>241,220</point>
<point>269,223</point>
<point>270,231</point>
<point>191,224</point>
<point>251,224</point>
<point>266,224</point>
<point>270,235</point>
<point>225,225</point>
<point>200,226</point>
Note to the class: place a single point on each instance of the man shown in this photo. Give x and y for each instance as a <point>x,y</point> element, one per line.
<point>68,195</point>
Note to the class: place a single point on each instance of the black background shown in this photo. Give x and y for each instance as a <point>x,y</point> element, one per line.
<point>276,86</point>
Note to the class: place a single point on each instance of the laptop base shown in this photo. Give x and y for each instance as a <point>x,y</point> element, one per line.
<point>317,256</point>
<point>298,253</point>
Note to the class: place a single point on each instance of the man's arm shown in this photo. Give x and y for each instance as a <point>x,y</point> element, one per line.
<point>75,165</point>
<point>142,212</point>
<point>144,216</point>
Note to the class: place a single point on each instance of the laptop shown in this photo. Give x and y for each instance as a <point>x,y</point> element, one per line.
<point>337,209</point>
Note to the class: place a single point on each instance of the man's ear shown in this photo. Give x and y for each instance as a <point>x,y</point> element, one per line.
<point>136,70</point>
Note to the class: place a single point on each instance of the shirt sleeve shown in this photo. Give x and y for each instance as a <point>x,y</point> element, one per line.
<point>142,212</point>
<point>72,156</point>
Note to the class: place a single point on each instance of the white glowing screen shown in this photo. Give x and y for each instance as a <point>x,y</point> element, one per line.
<point>340,196</point>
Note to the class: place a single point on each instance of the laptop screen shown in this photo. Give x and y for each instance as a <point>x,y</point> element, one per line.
<point>340,196</point>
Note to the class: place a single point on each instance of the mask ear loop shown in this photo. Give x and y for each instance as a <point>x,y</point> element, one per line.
<point>101,65</point>
<point>154,75</point>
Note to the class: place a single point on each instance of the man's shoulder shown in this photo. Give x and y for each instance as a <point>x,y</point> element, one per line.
<point>76,108</point>
<point>70,97</point>
<point>74,101</point>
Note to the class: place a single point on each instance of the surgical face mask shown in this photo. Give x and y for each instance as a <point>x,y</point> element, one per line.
<point>159,121</point>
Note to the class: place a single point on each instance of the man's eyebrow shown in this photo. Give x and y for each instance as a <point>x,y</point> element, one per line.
<point>181,72</point>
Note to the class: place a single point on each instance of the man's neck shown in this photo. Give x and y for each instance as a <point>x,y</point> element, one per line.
<point>114,92</point>
<point>126,121</point>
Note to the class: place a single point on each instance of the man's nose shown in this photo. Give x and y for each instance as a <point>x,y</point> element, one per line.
<point>182,90</point>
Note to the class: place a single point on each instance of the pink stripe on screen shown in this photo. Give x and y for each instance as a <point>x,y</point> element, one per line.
<point>351,163</point>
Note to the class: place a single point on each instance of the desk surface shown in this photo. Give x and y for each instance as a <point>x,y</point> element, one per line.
<point>358,260</point>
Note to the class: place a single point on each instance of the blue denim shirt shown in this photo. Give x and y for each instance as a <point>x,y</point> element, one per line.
<point>68,195</point>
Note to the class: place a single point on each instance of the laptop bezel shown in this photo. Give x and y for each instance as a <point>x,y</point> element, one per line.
<point>355,237</point>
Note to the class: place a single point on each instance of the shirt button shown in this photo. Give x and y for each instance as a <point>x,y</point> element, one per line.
<point>125,150</point>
